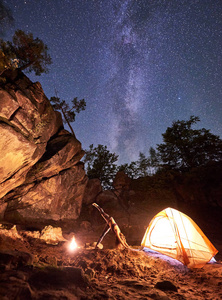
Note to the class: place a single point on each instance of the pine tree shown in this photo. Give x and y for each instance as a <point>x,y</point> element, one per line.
<point>69,114</point>
<point>30,54</point>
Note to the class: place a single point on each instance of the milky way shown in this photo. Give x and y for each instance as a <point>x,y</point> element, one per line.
<point>140,65</point>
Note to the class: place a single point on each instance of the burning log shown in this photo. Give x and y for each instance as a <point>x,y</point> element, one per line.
<point>111,224</point>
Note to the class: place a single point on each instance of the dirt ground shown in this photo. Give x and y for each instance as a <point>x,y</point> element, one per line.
<point>32,269</point>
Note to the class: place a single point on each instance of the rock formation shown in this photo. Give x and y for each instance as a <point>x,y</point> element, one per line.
<point>93,189</point>
<point>41,176</point>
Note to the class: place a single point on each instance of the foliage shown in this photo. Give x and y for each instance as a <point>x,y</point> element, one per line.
<point>154,160</point>
<point>31,54</point>
<point>185,148</point>
<point>69,114</point>
<point>144,166</point>
<point>129,169</point>
<point>101,164</point>
<point>6,59</point>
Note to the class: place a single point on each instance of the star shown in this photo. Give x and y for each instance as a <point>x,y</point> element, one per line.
<point>128,59</point>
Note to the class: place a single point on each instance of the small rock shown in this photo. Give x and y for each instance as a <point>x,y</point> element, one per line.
<point>93,245</point>
<point>12,233</point>
<point>90,272</point>
<point>82,264</point>
<point>87,246</point>
<point>15,259</point>
<point>157,295</point>
<point>99,246</point>
<point>52,235</point>
<point>32,234</point>
<point>165,286</point>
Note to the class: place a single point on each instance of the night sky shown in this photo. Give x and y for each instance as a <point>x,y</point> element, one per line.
<point>139,65</point>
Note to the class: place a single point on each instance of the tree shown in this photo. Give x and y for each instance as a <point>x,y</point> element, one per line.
<point>129,169</point>
<point>142,165</point>
<point>185,148</point>
<point>69,114</point>
<point>153,160</point>
<point>101,164</point>
<point>31,54</point>
<point>7,58</point>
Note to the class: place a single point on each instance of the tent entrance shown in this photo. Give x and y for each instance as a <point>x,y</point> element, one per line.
<point>175,234</point>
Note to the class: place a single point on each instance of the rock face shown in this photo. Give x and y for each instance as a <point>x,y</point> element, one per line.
<point>93,189</point>
<point>121,181</point>
<point>41,175</point>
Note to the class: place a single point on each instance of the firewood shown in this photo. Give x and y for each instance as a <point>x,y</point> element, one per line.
<point>111,224</point>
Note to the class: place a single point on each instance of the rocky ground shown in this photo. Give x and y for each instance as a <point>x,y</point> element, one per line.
<point>33,269</point>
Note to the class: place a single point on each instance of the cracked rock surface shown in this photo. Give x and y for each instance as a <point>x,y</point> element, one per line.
<point>41,176</point>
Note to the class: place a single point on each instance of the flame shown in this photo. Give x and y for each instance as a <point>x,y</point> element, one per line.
<point>73,245</point>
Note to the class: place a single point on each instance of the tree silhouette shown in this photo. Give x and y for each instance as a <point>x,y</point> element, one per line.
<point>142,165</point>
<point>130,169</point>
<point>185,148</point>
<point>153,160</point>
<point>69,114</point>
<point>101,164</point>
<point>7,58</point>
<point>30,54</point>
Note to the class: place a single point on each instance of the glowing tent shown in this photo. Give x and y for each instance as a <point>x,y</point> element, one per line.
<point>175,234</point>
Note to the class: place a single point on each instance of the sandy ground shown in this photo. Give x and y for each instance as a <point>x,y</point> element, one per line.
<point>32,269</point>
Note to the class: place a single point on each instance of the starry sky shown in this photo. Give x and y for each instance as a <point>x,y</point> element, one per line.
<point>139,65</point>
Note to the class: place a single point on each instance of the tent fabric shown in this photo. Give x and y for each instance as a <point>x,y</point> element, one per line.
<point>173,233</point>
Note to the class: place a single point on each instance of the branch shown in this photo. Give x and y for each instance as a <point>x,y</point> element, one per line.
<point>111,224</point>
<point>26,66</point>
<point>67,121</point>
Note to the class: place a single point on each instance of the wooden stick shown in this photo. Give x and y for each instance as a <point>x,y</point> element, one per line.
<point>111,224</point>
<point>105,231</point>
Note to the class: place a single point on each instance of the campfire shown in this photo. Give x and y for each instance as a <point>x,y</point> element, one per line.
<point>73,245</point>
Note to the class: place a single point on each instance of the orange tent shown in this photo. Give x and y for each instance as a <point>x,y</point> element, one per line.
<point>175,234</point>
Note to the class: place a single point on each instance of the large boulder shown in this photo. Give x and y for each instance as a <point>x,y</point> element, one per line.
<point>27,122</point>
<point>121,181</point>
<point>55,198</point>
<point>41,176</point>
<point>93,189</point>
